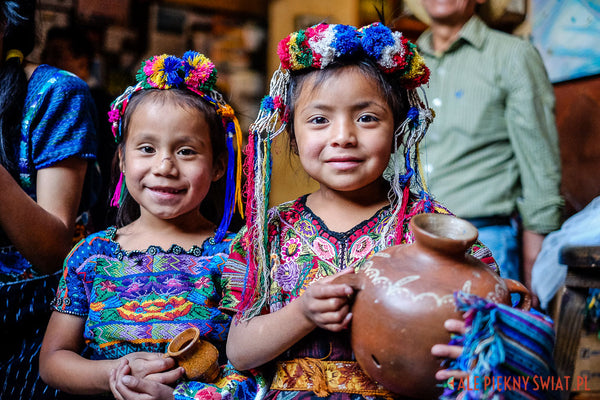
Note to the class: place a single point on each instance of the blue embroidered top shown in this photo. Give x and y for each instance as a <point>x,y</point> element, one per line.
<point>58,123</point>
<point>139,300</point>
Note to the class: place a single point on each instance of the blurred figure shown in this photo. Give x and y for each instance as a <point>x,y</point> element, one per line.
<point>70,48</point>
<point>492,154</point>
<point>47,152</point>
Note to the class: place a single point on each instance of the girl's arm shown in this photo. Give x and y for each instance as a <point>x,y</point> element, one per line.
<point>261,339</point>
<point>43,231</point>
<point>63,368</point>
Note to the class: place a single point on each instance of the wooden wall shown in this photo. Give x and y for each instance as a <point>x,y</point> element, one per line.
<point>578,123</point>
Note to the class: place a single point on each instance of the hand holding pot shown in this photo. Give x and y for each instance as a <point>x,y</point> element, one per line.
<point>406,292</point>
<point>199,358</point>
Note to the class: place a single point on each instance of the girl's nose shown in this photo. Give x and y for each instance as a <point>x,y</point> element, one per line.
<point>344,133</point>
<point>165,166</point>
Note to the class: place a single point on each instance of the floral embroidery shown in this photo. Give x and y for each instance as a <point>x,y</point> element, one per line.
<point>209,394</point>
<point>323,249</point>
<point>287,275</point>
<point>362,247</point>
<point>306,228</point>
<point>291,249</point>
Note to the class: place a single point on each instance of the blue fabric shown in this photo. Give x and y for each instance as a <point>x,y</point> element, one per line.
<point>502,240</point>
<point>58,123</point>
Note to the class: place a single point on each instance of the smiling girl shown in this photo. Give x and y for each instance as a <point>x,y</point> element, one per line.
<point>128,290</point>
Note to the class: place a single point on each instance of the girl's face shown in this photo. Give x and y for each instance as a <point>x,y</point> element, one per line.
<point>167,159</point>
<point>343,130</point>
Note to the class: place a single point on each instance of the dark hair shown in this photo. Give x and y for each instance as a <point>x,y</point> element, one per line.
<point>76,37</point>
<point>212,206</point>
<point>17,23</point>
<point>395,95</point>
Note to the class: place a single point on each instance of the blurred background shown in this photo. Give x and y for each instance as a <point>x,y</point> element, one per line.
<point>241,36</point>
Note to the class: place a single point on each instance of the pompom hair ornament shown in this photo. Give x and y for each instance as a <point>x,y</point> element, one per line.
<point>316,48</point>
<point>196,73</point>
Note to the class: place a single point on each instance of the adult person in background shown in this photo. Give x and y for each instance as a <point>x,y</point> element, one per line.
<point>70,48</point>
<point>47,142</point>
<point>492,154</point>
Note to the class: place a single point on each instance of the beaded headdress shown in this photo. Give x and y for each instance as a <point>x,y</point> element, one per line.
<point>316,48</point>
<point>196,73</point>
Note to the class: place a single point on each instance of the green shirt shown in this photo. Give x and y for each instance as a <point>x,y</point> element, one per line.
<point>493,147</point>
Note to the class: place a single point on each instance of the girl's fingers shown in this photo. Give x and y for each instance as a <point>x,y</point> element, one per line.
<point>446,374</point>
<point>168,377</point>
<point>455,326</point>
<point>446,351</point>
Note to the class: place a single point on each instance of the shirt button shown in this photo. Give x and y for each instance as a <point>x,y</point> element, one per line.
<point>437,102</point>
<point>441,71</point>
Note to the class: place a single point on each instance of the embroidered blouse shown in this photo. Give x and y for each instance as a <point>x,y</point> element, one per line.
<point>301,249</point>
<point>139,300</point>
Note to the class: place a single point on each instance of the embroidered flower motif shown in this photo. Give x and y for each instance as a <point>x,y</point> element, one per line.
<point>362,247</point>
<point>305,228</point>
<point>208,393</point>
<point>291,249</point>
<point>156,309</point>
<point>202,283</point>
<point>287,275</point>
<point>109,286</point>
<point>323,249</point>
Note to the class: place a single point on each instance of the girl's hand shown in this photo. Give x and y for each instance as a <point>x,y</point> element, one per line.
<point>153,366</point>
<point>450,351</point>
<point>327,304</point>
<point>124,386</point>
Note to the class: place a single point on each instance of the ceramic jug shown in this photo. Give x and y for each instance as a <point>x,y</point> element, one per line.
<point>406,292</point>
<point>199,358</point>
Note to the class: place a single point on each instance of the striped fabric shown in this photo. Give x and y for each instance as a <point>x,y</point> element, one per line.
<point>492,148</point>
<point>507,352</point>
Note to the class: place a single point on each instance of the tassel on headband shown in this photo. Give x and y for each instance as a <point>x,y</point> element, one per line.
<point>197,73</point>
<point>315,48</point>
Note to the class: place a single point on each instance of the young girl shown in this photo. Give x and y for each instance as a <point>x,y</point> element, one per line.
<point>347,97</point>
<point>128,290</point>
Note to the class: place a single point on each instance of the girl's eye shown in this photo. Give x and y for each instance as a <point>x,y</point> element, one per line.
<point>187,152</point>
<point>318,120</point>
<point>147,149</point>
<point>367,118</point>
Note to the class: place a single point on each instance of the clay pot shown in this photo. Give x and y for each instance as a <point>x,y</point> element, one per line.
<point>199,358</point>
<point>404,295</point>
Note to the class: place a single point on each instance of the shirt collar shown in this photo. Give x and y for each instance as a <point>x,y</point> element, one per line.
<point>474,32</point>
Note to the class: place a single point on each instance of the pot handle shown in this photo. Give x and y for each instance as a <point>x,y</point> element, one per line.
<point>517,287</point>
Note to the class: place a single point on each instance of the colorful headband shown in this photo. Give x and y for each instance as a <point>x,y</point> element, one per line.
<point>196,73</point>
<point>316,48</point>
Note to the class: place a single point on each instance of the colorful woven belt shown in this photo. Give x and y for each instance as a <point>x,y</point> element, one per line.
<point>325,377</point>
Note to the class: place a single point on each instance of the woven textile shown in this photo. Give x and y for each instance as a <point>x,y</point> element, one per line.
<point>503,345</point>
<point>139,300</point>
